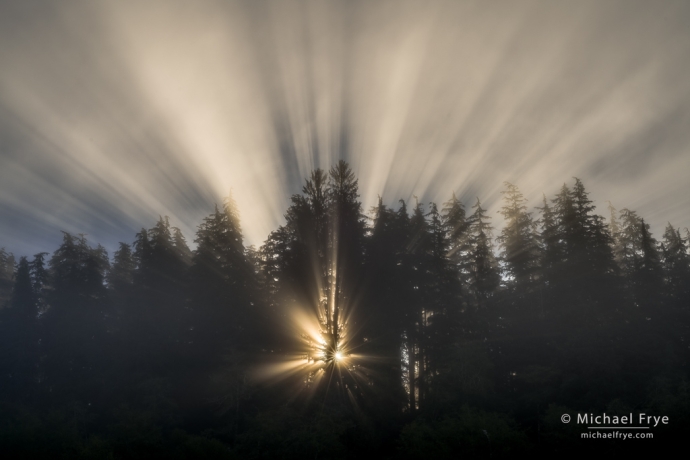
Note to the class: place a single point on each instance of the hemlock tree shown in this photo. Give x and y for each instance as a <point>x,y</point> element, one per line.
<point>221,280</point>
<point>75,320</point>
<point>485,276</point>
<point>552,253</point>
<point>23,296</point>
<point>589,271</point>
<point>121,275</point>
<point>648,277</point>
<point>444,308</point>
<point>347,231</point>
<point>388,291</point>
<point>595,235</point>
<point>518,240</point>
<point>6,277</point>
<point>415,313</point>
<point>18,324</point>
<point>159,320</point>
<point>40,280</point>
<point>627,241</point>
<point>121,290</point>
<point>676,267</point>
<point>457,228</point>
<point>316,258</point>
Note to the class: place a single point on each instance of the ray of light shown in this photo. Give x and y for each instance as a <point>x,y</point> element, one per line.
<point>113,113</point>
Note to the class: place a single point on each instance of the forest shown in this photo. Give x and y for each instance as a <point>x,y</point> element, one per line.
<point>410,330</point>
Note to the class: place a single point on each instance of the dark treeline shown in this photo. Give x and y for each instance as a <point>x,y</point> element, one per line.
<point>439,337</point>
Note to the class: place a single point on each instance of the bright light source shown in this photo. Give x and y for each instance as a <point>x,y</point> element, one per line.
<point>338,356</point>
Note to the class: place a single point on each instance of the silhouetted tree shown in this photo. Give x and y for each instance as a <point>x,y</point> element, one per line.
<point>121,275</point>
<point>588,267</point>
<point>75,321</point>
<point>445,304</point>
<point>457,228</point>
<point>222,278</point>
<point>77,273</point>
<point>23,296</point>
<point>40,278</point>
<point>648,276</point>
<point>316,261</point>
<point>552,256</point>
<point>518,240</point>
<point>676,267</point>
<point>347,245</point>
<point>158,324</point>
<point>485,278</point>
<point>24,331</point>
<point>593,233</point>
<point>6,276</point>
<point>436,339</point>
<point>627,241</point>
<point>419,248</point>
<point>389,291</point>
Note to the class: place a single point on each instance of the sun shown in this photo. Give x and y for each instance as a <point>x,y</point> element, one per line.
<point>326,349</point>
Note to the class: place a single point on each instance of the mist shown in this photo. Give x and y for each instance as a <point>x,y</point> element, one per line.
<point>113,113</point>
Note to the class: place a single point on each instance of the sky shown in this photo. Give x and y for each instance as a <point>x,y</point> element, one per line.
<point>114,113</point>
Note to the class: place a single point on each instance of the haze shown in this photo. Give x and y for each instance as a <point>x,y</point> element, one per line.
<point>113,113</point>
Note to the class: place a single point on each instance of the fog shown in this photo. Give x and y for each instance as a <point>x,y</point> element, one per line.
<point>113,113</point>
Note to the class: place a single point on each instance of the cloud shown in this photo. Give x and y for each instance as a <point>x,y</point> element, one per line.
<point>112,113</point>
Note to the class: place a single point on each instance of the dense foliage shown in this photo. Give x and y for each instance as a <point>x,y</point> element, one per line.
<point>454,342</point>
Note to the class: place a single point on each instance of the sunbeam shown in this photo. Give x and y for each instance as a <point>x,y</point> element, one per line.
<point>343,228</point>
<point>116,112</point>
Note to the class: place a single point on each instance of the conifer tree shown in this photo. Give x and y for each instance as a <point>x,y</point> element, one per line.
<point>419,249</point>
<point>158,325</point>
<point>552,246</point>
<point>77,273</point>
<point>221,278</point>
<point>19,322</point>
<point>518,239</point>
<point>23,296</point>
<point>485,277</point>
<point>445,305</point>
<point>121,275</point>
<point>346,246</point>
<point>6,277</point>
<point>676,267</point>
<point>389,295</point>
<point>648,277</point>
<point>593,234</point>
<point>182,251</point>
<point>40,279</point>
<point>587,277</point>
<point>142,255</point>
<point>121,289</point>
<point>457,228</point>
<point>628,242</point>
<point>615,231</point>
<point>75,320</point>
<point>163,260</point>
<point>316,259</point>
